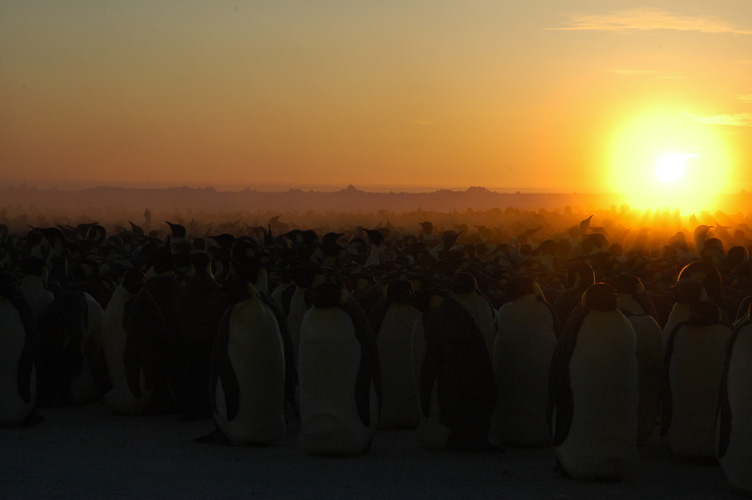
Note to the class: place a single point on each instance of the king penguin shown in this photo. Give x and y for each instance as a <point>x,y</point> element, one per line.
<point>453,376</point>
<point>72,366</point>
<point>465,291</point>
<point>392,319</point>
<point>339,375</point>
<point>18,378</point>
<point>636,305</point>
<point>594,392</point>
<point>735,417</point>
<point>248,374</point>
<point>693,369</point>
<point>527,333</point>
<point>133,336</point>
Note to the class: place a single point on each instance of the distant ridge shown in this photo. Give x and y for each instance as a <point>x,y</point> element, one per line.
<point>348,199</point>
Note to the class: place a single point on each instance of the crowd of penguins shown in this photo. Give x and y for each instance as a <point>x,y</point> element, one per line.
<point>572,341</point>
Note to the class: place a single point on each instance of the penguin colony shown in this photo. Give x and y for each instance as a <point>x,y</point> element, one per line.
<point>560,339</point>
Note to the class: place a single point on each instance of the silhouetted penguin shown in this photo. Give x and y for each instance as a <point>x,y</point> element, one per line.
<point>465,291</point>
<point>392,319</point>
<point>693,368</point>
<point>735,417</point>
<point>455,380</point>
<point>635,304</point>
<point>18,377</point>
<point>525,343</point>
<point>305,278</point>
<point>72,365</point>
<point>197,316</point>
<point>248,374</point>
<point>686,292</point>
<point>579,277</point>
<point>594,392</point>
<point>340,380</point>
<point>34,284</point>
<point>133,336</point>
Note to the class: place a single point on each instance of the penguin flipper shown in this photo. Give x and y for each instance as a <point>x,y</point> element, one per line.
<point>724,405</point>
<point>221,370</point>
<point>25,367</point>
<point>560,397</point>
<point>369,372</point>
<point>291,375</point>
<point>145,328</point>
<point>431,362</point>
<point>666,395</point>
<point>31,344</point>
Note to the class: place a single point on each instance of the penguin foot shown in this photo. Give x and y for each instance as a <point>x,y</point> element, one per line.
<point>32,418</point>
<point>214,437</point>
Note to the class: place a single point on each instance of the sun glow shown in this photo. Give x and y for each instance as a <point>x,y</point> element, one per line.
<point>669,160</point>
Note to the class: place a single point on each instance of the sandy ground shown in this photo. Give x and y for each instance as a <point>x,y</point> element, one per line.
<point>86,452</point>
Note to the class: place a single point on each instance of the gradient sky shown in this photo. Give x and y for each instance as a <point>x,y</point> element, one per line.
<point>544,95</point>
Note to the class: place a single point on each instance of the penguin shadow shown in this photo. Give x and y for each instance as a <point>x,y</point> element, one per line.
<point>31,420</point>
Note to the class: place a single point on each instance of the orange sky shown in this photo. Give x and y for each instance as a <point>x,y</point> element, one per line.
<point>552,96</point>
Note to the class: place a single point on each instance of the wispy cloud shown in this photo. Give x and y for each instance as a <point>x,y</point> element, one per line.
<point>648,19</point>
<point>663,75</point>
<point>630,72</point>
<point>745,98</point>
<point>734,120</point>
<point>420,122</point>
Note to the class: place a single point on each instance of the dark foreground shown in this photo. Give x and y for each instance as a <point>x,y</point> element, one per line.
<point>86,452</point>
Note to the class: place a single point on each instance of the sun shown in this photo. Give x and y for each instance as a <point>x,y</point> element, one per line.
<point>672,167</point>
<point>663,159</point>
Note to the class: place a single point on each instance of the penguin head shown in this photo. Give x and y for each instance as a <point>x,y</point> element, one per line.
<point>331,293</point>
<point>7,283</point>
<point>34,265</point>
<point>687,291</point>
<point>376,237</point>
<point>600,297</point>
<point>133,281</point>
<point>178,230</point>
<point>737,255</point>
<point>464,282</point>
<point>704,313</point>
<point>627,284</point>
<point>580,276</point>
<point>520,286</point>
<point>399,290</point>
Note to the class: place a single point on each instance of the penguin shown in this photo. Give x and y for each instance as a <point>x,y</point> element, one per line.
<point>197,319</point>
<point>454,378</point>
<point>18,374</point>
<point>133,331</point>
<point>735,409</point>
<point>247,374</point>
<point>636,305</point>
<point>392,319</point>
<point>377,246</point>
<point>692,373</point>
<point>305,278</point>
<point>687,292</point>
<point>594,392</point>
<point>580,276</point>
<point>72,366</point>
<point>465,291</point>
<point>526,337</point>
<point>34,285</point>
<point>339,375</point>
